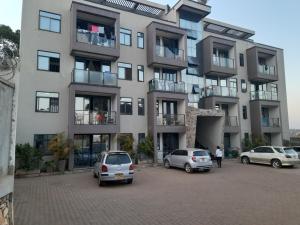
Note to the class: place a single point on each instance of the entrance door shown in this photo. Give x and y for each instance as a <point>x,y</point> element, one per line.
<point>170,142</point>
<point>265,117</point>
<point>227,144</point>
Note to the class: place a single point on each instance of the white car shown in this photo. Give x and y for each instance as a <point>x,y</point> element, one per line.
<point>271,155</point>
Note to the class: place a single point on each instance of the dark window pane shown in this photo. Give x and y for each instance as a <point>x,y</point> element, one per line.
<point>47,102</point>
<point>141,106</point>
<point>245,116</point>
<point>49,61</point>
<point>242,63</point>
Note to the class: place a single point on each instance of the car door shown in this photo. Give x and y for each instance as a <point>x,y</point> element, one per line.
<point>182,158</point>
<point>254,155</point>
<point>174,158</point>
<point>267,153</point>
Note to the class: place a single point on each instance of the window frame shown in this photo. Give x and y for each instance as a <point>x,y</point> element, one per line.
<point>37,62</point>
<point>242,60</point>
<point>36,102</point>
<point>243,81</point>
<point>139,37</point>
<point>125,70</point>
<point>126,34</point>
<point>143,102</point>
<point>140,70</point>
<point>124,113</point>
<point>50,21</point>
<point>245,112</point>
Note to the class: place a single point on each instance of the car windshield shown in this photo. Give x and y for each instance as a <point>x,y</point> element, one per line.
<point>289,151</point>
<point>200,153</point>
<point>279,150</point>
<point>117,159</point>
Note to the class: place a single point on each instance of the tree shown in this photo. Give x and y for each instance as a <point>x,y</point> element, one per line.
<point>7,33</point>
<point>60,146</point>
<point>254,142</point>
<point>126,144</point>
<point>147,147</point>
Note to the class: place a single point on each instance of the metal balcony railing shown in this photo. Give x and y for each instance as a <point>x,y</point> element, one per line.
<point>267,70</point>
<point>223,62</point>
<point>94,77</point>
<point>264,95</point>
<point>170,119</point>
<point>86,117</point>
<point>214,90</point>
<point>231,121</point>
<point>177,54</point>
<point>167,86</point>
<point>270,122</point>
<point>95,38</point>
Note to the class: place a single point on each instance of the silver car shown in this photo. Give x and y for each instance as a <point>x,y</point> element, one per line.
<point>297,149</point>
<point>189,159</point>
<point>114,166</point>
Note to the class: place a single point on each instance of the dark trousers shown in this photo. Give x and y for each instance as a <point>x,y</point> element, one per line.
<point>219,162</point>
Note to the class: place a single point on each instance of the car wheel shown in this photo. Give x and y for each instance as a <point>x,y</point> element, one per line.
<point>100,182</point>
<point>129,181</point>
<point>245,160</point>
<point>188,168</point>
<point>276,163</point>
<point>167,164</point>
<point>206,170</point>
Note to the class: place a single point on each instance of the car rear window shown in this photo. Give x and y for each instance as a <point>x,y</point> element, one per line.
<point>289,150</point>
<point>200,153</point>
<point>117,159</point>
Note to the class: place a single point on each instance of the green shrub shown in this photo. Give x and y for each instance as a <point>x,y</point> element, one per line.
<point>28,157</point>
<point>147,147</point>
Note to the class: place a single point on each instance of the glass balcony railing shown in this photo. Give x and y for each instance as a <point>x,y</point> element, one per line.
<point>220,91</point>
<point>231,121</point>
<point>270,122</point>
<point>167,86</point>
<point>264,95</point>
<point>95,38</point>
<point>177,54</point>
<point>223,62</point>
<point>95,77</point>
<point>170,119</point>
<point>266,70</point>
<point>86,117</point>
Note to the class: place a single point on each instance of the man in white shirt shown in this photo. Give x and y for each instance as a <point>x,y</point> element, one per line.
<point>219,156</point>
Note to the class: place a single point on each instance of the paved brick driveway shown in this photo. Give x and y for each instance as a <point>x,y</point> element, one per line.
<point>234,195</point>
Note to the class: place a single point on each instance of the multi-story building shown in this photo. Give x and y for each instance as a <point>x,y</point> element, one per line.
<point>100,69</point>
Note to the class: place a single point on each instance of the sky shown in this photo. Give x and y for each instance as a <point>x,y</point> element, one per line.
<point>275,22</point>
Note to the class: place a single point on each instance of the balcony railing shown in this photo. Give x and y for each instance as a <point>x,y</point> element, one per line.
<point>94,77</point>
<point>177,54</point>
<point>231,121</point>
<point>266,70</point>
<point>223,62</point>
<point>167,86</point>
<point>220,91</point>
<point>86,117</point>
<point>264,95</point>
<point>95,38</point>
<point>170,119</point>
<point>270,122</point>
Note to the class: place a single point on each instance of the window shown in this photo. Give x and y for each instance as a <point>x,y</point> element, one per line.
<point>47,102</point>
<point>141,137</point>
<point>244,86</point>
<point>41,142</point>
<point>140,72</point>
<point>50,22</point>
<point>140,40</point>
<point>245,116</point>
<point>124,71</point>
<point>126,106</point>
<point>141,106</point>
<point>242,61</point>
<point>246,136</point>
<point>125,37</point>
<point>48,61</point>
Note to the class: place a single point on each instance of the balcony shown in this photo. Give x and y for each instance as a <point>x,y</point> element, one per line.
<point>158,54</point>
<point>231,124</point>
<point>94,32</point>
<point>166,86</point>
<point>223,62</point>
<point>170,119</point>
<point>95,118</point>
<point>264,95</point>
<point>94,78</point>
<point>270,122</point>
<point>262,64</point>
<point>220,91</point>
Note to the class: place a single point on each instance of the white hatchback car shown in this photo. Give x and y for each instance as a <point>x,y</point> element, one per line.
<point>271,155</point>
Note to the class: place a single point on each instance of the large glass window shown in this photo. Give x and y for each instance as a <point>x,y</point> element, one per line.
<point>124,71</point>
<point>126,106</point>
<point>47,102</point>
<point>140,73</point>
<point>140,40</point>
<point>50,22</point>
<point>168,74</point>
<point>41,142</point>
<point>141,107</point>
<point>48,61</point>
<point>125,37</point>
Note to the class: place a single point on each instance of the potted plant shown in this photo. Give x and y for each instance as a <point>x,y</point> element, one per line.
<point>50,166</point>
<point>146,147</point>
<point>60,147</point>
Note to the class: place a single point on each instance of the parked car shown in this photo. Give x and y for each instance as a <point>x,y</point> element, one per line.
<point>297,149</point>
<point>189,159</point>
<point>114,166</point>
<point>271,155</point>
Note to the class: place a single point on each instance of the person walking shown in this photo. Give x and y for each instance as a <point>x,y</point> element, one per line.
<point>219,156</point>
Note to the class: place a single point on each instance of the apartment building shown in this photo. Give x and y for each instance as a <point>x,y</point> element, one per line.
<point>101,69</point>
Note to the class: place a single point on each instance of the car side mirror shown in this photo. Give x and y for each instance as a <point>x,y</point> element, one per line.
<point>252,151</point>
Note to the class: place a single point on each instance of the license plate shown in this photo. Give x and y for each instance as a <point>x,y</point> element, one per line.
<point>202,160</point>
<point>119,176</point>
